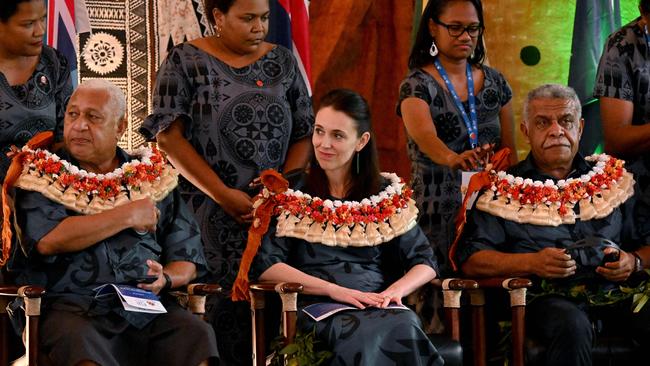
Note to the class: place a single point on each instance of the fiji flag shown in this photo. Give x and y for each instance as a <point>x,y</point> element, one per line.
<point>289,26</point>
<point>65,19</point>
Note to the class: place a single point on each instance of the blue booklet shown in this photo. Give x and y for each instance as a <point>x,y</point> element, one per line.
<point>133,298</point>
<point>322,310</point>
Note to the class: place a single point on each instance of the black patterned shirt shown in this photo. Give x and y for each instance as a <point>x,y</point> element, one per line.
<point>69,278</point>
<point>624,70</point>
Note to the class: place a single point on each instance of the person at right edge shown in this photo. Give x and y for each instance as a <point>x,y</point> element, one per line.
<point>623,88</point>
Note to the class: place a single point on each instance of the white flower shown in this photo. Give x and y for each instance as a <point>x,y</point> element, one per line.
<point>365,202</point>
<point>585,178</point>
<point>510,178</point>
<point>329,204</point>
<point>519,180</point>
<point>338,203</point>
<point>501,174</point>
<point>528,182</point>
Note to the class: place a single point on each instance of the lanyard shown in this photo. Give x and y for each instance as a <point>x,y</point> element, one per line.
<point>472,125</point>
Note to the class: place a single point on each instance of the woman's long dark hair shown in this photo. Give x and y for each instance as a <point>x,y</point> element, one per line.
<point>9,8</point>
<point>420,56</point>
<point>645,6</point>
<point>367,181</point>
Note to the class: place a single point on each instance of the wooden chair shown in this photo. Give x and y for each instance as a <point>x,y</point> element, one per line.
<point>452,290</point>
<point>193,299</point>
<point>516,288</point>
<point>32,298</point>
<point>288,292</point>
<point>608,349</point>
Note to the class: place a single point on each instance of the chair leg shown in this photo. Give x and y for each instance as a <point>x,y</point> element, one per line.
<point>4,341</point>
<point>477,302</point>
<point>32,340</point>
<point>518,335</point>
<point>259,341</point>
<point>32,312</point>
<point>289,316</point>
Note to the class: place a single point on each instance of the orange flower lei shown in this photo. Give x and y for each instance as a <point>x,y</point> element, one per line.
<point>131,175</point>
<point>377,208</point>
<point>607,171</point>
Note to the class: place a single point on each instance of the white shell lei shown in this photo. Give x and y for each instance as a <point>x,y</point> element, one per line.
<point>350,235</point>
<point>52,186</point>
<point>547,213</point>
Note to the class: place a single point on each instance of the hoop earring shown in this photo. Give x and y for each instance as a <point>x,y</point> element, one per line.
<point>357,163</point>
<point>433,51</point>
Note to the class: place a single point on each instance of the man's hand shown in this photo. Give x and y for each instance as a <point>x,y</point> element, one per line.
<point>143,215</point>
<point>155,269</point>
<point>238,204</point>
<point>620,270</point>
<point>552,263</point>
<point>357,298</point>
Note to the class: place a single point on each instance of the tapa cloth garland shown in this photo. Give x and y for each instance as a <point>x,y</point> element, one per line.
<point>89,193</point>
<point>372,221</point>
<point>597,193</point>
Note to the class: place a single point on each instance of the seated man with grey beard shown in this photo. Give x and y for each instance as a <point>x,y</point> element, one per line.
<point>567,222</point>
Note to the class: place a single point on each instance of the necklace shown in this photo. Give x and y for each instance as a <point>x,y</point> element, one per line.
<point>548,203</point>
<point>87,192</point>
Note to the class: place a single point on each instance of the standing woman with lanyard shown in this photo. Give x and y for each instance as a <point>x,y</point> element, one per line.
<point>456,112</point>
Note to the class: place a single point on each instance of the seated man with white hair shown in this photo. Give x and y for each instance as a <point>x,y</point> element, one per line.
<point>90,215</point>
<point>566,221</point>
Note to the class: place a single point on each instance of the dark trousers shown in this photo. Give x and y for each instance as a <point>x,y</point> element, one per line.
<point>563,327</point>
<point>568,329</point>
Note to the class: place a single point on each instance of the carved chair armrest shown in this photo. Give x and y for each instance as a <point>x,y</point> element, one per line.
<point>31,295</point>
<point>194,296</point>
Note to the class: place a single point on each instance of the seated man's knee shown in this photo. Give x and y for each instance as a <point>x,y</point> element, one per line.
<point>559,318</point>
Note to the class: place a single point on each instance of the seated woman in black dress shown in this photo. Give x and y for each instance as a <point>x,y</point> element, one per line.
<point>352,238</point>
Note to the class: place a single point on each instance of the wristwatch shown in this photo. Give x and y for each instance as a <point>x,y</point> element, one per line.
<point>638,265</point>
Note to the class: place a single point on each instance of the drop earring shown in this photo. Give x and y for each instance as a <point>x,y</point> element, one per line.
<point>433,51</point>
<point>357,163</point>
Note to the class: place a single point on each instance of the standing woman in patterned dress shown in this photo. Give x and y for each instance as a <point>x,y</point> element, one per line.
<point>35,81</point>
<point>456,110</point>
<point>227,107</point>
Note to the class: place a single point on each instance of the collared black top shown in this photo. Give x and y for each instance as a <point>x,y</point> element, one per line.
<point>70,278</point>
<point>485,231</point>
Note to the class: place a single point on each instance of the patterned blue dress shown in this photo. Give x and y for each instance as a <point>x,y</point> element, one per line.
<point>242,121</point>
<point>378,337</point>
<point>35,106</point>
<point>624,73</point>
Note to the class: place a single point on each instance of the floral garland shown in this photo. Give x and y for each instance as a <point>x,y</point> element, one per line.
<point>372,221</point>
<point>598,192</point>
<point>87,192</point>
